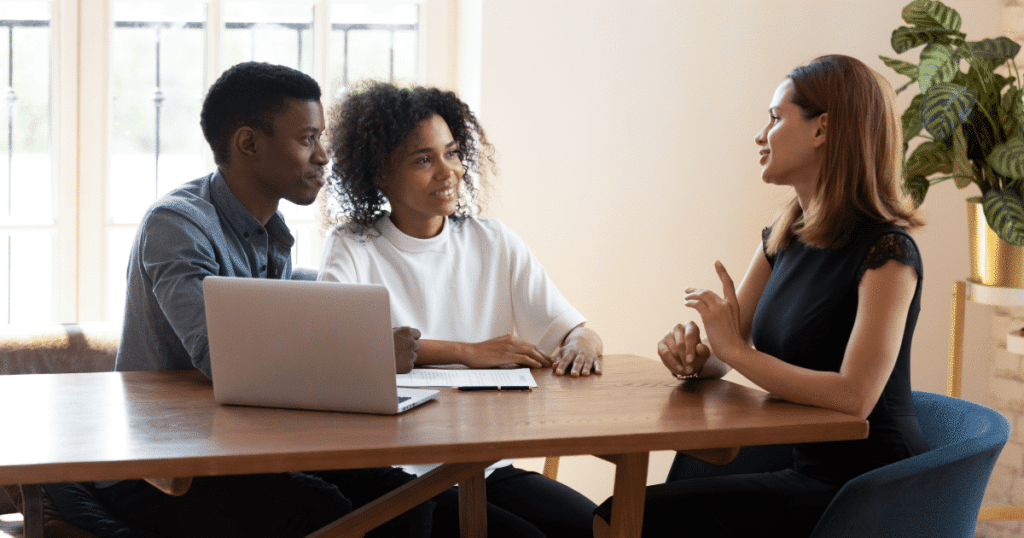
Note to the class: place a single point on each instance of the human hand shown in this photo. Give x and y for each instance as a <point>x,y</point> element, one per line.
<point>682,351</point>
<point>579,355</point>
<point>407,343</point>
<point>505,351</point>
<point>721,315</point>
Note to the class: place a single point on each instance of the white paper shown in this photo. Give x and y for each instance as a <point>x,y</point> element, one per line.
<point>436,377</point>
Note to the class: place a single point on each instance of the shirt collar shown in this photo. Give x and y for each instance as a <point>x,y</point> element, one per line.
<point>240,218</point>
<point>409,243</point>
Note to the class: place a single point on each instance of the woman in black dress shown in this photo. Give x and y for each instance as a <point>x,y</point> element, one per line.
<point>824,315</point>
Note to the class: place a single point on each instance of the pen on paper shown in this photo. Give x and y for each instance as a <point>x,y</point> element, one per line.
<point>499,387</point>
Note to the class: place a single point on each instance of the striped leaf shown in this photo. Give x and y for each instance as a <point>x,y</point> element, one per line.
<point>930,158</point>
<point>963,169</point>
<point>945,108</point>
<point>1011,111</point>
<point>911,119</point>
<point>1007,159</point>
<point>904,68</point>
<point>1004,212</point>
<point>904,38</point>
<point>938,64</point>
<point>932,14</point>
<point>999,49</point>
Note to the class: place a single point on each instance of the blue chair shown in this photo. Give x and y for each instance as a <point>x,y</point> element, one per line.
<point>937,493</point>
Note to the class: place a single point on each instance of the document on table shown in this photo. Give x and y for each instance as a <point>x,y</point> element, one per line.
<point>437,377</point>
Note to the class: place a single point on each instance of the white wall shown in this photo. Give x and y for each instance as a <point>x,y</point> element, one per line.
<point>625,136</point>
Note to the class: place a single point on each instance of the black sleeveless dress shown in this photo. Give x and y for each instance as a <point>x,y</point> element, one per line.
<point>805,317</point>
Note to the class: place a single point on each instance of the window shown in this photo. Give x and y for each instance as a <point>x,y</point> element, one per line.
<point>88,144</point>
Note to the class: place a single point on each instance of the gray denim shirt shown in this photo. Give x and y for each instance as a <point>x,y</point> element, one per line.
<point>196,230</point>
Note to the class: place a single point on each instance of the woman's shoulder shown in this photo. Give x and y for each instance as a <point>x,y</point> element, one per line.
<point>491,232</point>
<point>886,242</point>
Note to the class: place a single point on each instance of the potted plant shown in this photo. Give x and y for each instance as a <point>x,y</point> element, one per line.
<point>972,123</point>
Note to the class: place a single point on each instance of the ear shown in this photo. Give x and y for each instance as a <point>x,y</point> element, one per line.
<point>820,129</point>
<point>244,143</point>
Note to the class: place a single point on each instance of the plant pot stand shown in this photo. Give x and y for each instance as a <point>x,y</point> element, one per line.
<point>981,294</point>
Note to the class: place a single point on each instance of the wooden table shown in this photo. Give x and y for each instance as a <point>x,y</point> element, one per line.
<point>109,426</point>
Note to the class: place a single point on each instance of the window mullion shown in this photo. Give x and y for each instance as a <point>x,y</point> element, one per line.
<point>64,121</point>
<point>93,157</point>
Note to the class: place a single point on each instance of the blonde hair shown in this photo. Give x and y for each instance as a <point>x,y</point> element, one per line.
<point>861,174</point>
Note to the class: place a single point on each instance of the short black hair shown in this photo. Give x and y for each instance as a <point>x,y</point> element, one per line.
<point>369,124</point>
<point>250,94</point>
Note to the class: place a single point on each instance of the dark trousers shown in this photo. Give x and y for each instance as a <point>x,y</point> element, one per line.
<point>276,505</point>
<point>521,504</point>
<point>780,503</point>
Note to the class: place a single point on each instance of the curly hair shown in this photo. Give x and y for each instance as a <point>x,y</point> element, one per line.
<point>250,94</point>
<point>370,123</point>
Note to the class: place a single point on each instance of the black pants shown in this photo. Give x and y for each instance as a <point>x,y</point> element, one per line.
<point>277,505</point>
<point>521,504</point>
<point>781,503</point>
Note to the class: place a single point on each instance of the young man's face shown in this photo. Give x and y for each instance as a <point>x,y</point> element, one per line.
<point>291,163</point>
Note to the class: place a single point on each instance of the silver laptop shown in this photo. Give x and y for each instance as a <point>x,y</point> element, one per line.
<point>304,344</point>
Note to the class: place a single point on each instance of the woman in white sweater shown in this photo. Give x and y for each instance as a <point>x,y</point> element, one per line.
<point>469,284</point>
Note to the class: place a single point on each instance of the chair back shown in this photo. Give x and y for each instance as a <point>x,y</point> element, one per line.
<point>937,493</point>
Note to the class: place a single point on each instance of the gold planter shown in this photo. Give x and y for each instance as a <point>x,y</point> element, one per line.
<point>994,262</point>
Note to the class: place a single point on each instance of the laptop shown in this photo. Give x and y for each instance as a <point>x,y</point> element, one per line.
<point>304,344</point>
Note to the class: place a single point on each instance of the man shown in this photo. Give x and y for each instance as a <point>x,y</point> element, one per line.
<point>263,123</point>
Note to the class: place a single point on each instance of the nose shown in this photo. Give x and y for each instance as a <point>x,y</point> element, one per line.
<point>759,137</point>
<point>319,156</point>
<point>446,170</point>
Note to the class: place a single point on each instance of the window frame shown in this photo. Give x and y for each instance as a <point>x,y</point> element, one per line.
<point>80,119</point>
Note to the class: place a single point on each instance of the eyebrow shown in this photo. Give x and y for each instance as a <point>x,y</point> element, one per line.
<point>427,150</point>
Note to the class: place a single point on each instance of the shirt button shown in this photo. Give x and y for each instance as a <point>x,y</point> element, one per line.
<point>260,231</point>
<point>246,235</point>
<point>263,268</point>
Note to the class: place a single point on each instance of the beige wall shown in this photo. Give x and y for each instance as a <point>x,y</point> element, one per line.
<point>625,135</point>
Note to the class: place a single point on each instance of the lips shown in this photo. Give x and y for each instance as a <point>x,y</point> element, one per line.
<point>318,178</point>
<point>447,192</point>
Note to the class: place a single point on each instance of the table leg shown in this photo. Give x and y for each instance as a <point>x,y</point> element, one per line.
<point>473,507</point>
<point>630,492</point>
<point>400,500</point>
<point>32,504</point>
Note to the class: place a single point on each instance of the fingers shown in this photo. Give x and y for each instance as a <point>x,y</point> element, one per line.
<point>691,338</point>
<point>728,288</point>
<point>669,349</point>
<point>575,363</point>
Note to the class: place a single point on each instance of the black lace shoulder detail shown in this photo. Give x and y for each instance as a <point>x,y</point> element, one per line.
<point>765,233</point>
<point>892,246</point>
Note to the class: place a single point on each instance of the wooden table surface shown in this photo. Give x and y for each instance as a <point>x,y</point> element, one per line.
<point>124,425</point>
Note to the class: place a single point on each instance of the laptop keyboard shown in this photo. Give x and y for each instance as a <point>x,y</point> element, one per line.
<point>404,398</point>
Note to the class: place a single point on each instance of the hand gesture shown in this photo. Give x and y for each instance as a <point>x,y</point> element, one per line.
<point>506,351</point>
<point>407,343</point>
<point>721,315</point>
<point>682,351</point>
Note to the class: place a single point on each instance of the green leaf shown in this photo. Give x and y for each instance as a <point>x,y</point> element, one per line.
<point>1004,212</point>
<point>912,119</point>
<point>932,14</point>
<point>904,38</point>
<point>999,49</point>
<point>899,66</point>
<point>930,158</point>
<point>1011,109</point>
<point>945,108</point>
<point>963,170</point>
<point>1007,159</point>
<point>917,187</point>
<point>938,64</point>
